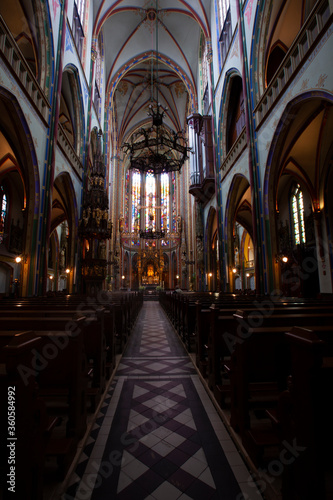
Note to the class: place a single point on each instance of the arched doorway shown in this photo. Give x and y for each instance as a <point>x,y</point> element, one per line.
<point>298,166</point>
<point>62,248</point>
<point>239,233</point>
<point>19,187</point>
<point>212,279</point>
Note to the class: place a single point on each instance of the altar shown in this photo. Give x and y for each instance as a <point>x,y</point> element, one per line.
<point>151,277</point>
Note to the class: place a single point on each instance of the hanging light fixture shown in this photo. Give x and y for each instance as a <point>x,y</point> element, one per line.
<point>156,149</point>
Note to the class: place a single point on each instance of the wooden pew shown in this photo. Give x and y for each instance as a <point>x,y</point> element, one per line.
<point>93,337</point>
<point>312,380</point>
<point>120,326</point>
<point>201,336</point>
<point>204,305</point>
<point>60,368</point>
<point>260,366</point>
<point>126,308</point>
<point>224,334</point>
<point>75,306</point>
<point>33,426</point>
<point>209,346</point>
<point>121,310</point>
<point>29,435</point>
<point>302,420</point>
<point>189,323</point>
<point>63,377</point>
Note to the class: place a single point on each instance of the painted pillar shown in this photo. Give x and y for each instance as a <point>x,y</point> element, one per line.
<point>50,154</point>
<point>220,265</point>
<point>257,215</point>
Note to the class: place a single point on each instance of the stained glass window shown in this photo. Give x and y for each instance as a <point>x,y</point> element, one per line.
<point>204,65</point>
<point>98,64</point>
<point>79,24</point>
<point>81,7</point>
<point>165,204</point>
<point>223,7</point>
<point>297,206</point>
<point>142,208</point>
<point>128,213</point>
<point>150,218</point>
<point>98,75</point>
<point>136,191</point>
<point>3,213</point>
<point>173,197</point>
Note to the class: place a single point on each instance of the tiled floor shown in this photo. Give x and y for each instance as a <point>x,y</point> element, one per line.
<point>158,435</point>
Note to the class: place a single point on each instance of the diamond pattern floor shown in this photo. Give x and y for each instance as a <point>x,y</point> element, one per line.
<point>158,436</point>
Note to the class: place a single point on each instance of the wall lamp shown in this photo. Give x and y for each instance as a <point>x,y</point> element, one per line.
<point>21,258</point>
<point>281,258</point>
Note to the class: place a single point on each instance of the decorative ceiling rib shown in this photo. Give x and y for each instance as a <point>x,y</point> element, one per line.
<point>135,43</point>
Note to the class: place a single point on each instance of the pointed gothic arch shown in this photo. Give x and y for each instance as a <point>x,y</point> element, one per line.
<point>16,130</point>
<point>64,221</point>
<point>301,151</point>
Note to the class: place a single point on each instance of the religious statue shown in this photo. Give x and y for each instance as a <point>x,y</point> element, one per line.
<point>199,231</point>
<point>179,224</point>
<point>62,258</point>
<point>16,237</point>
<point>200,253</point>
<point>165,223</point>
<point>121,223</point>
<point>16,288</point>
<point>283,235</point>
<point>102,250</point>
<point>98,216</point>
<point>137,224</point>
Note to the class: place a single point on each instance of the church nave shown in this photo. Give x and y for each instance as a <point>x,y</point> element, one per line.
<point>157,434</point>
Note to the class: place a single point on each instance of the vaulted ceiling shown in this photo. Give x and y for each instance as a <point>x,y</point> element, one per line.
<point>142,48</point>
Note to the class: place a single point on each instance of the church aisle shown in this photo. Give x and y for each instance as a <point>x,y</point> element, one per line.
<point>158,435</point>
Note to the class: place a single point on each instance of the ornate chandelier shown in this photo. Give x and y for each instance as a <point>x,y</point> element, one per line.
<point>157,148</point>
<point>152,235</point>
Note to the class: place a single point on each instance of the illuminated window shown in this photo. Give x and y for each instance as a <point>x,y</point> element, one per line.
<point>297,206</point>
<point>81,8</point>
<point>78,24</point>
<point>225,30</point>
<point>4,208</point>
<point>150,218</point>
<point>165,204</point>
<point>98,75</point>
<point>3,204</point>
<point>204,67</point>
<point>142,210</point>
<point>128,206</point>
<point>223,8</point>
<point>173,196</point>
<point>136,189</point>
